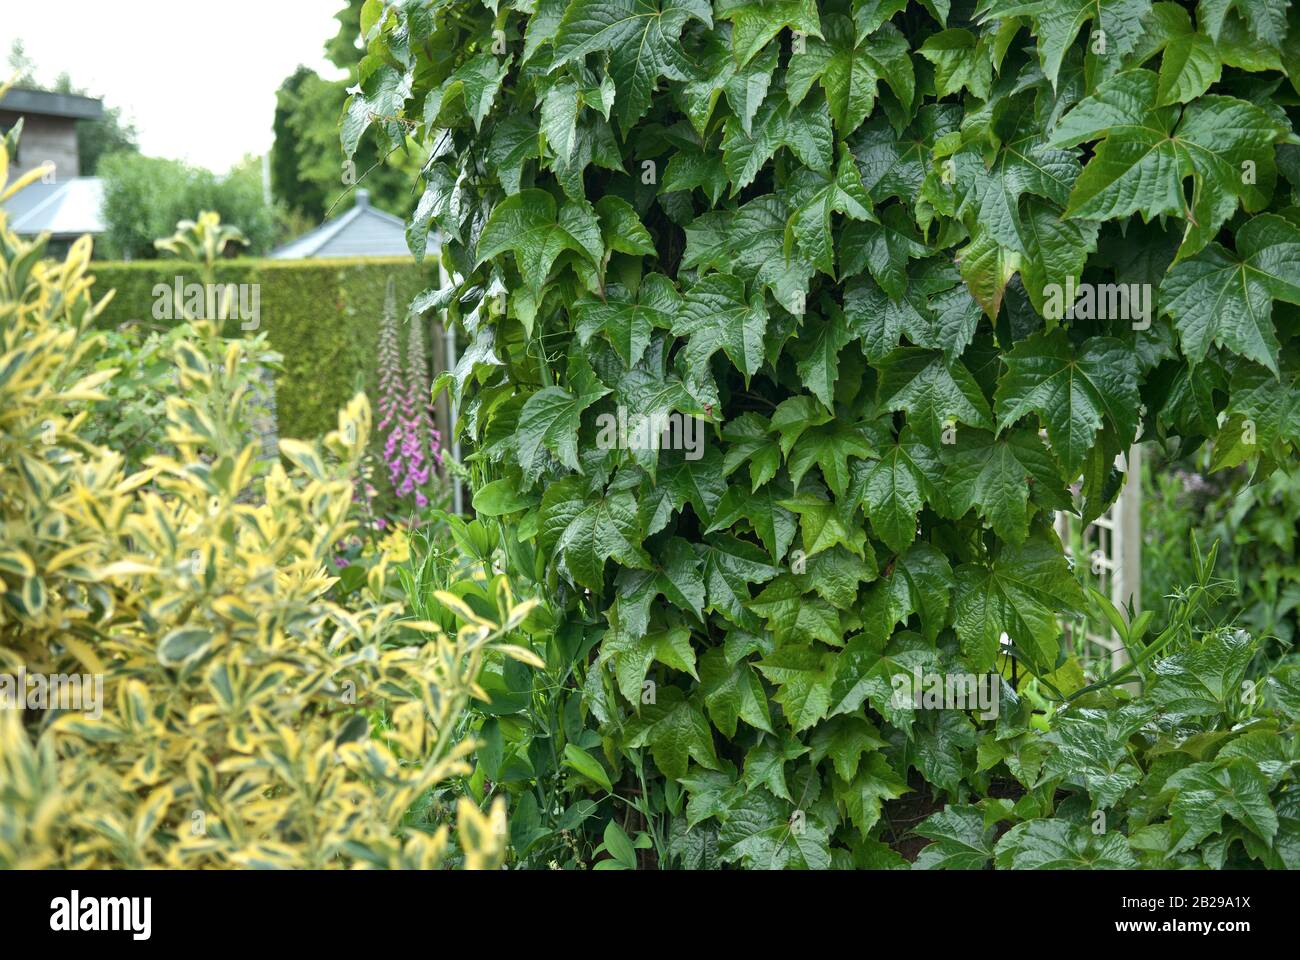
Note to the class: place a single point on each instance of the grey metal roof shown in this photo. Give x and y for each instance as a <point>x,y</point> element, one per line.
<point>67,208</point>
<point>52,104</point>
<point>362,231</point>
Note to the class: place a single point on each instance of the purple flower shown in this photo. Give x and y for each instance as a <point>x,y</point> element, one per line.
<point>412,446</point>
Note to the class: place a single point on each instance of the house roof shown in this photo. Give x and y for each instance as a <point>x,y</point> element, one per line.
<point>67,208</point>
<point>362,231</point>
<point>69,105</point>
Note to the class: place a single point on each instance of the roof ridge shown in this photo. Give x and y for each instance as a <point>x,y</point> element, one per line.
<point>317,237</point>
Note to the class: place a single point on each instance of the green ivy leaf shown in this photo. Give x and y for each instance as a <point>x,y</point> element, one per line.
<point>759,835</point>
<point>730,566</point>
<point>844,739</point>
<point>679,578</point>
<point>550,420</point>
<point>765,764</point>
<point>1144,143</point>
<point>772,523</point>
<point>589,532</point>
<point>749,441</point>
<point>1206,679</point>
<point>849,66</point>
<point>960,841</point>
<point>937,750</point>
<point>628,320</point>
<point>633,655</point>
<point>622,228</point>
<point>1206,792</point>
<point>1075,392</point>
<point>675,730</point>
<point>802,675</point>
<point>1266,19</point>
<point>1025,165</point>
<point>864,794</point>
<point>643,40</point>
<point>1063,845</point>
<point>717,315</point>
<point>864,674</point>
<point>1226,299</point>
<point>754,24</point>
<point>819,358</point>
<point>935,392</point>
<point>1020,594</point>
<point>823,525</point>
<point>733,692</point>
<point>994,475</point>
<point>526,225</point>
<point>1189,62</point>
<point>960,62</point>
<point>1091,750</point>
<point>750,243</point>
<point>816,199</point>
<point>882,248</point>
<point>1056,24</point>
<point>917,582</point>
<point>897,486</point>
<point>829,448</point>
<point>792,615</point>
<point>803,129</point>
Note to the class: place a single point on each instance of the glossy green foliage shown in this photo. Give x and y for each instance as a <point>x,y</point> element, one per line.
<point>918,274</point>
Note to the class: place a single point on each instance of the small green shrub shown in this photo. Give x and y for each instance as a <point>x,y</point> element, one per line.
<point>144,197</point>
<point>131,419</point>
<point>1257,523</point>
<point>534,747</point>
<point>1145,774</point>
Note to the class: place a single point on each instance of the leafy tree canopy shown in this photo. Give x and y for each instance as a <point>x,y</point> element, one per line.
<point>145,197</point>
<point>309,175</point>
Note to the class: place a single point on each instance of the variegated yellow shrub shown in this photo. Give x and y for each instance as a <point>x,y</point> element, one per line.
<point>234,727</point>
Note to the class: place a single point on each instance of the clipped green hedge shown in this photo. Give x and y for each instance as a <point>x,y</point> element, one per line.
<point>322,315</point>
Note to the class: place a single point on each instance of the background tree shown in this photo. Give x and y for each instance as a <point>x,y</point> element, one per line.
<point>21,67</point>
<point>308,172</point>
<point>145,197</point>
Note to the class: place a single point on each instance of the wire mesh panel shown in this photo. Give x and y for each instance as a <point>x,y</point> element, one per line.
<point>1108,551</point>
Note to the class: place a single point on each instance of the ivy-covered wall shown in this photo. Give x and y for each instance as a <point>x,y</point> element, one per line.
<point>919,274</point>
<point>322,315</point>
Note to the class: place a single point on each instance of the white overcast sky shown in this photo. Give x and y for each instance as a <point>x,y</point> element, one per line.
<point>198,78</point>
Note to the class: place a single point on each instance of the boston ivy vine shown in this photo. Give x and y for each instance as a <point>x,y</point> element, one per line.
<point>923,272</point>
